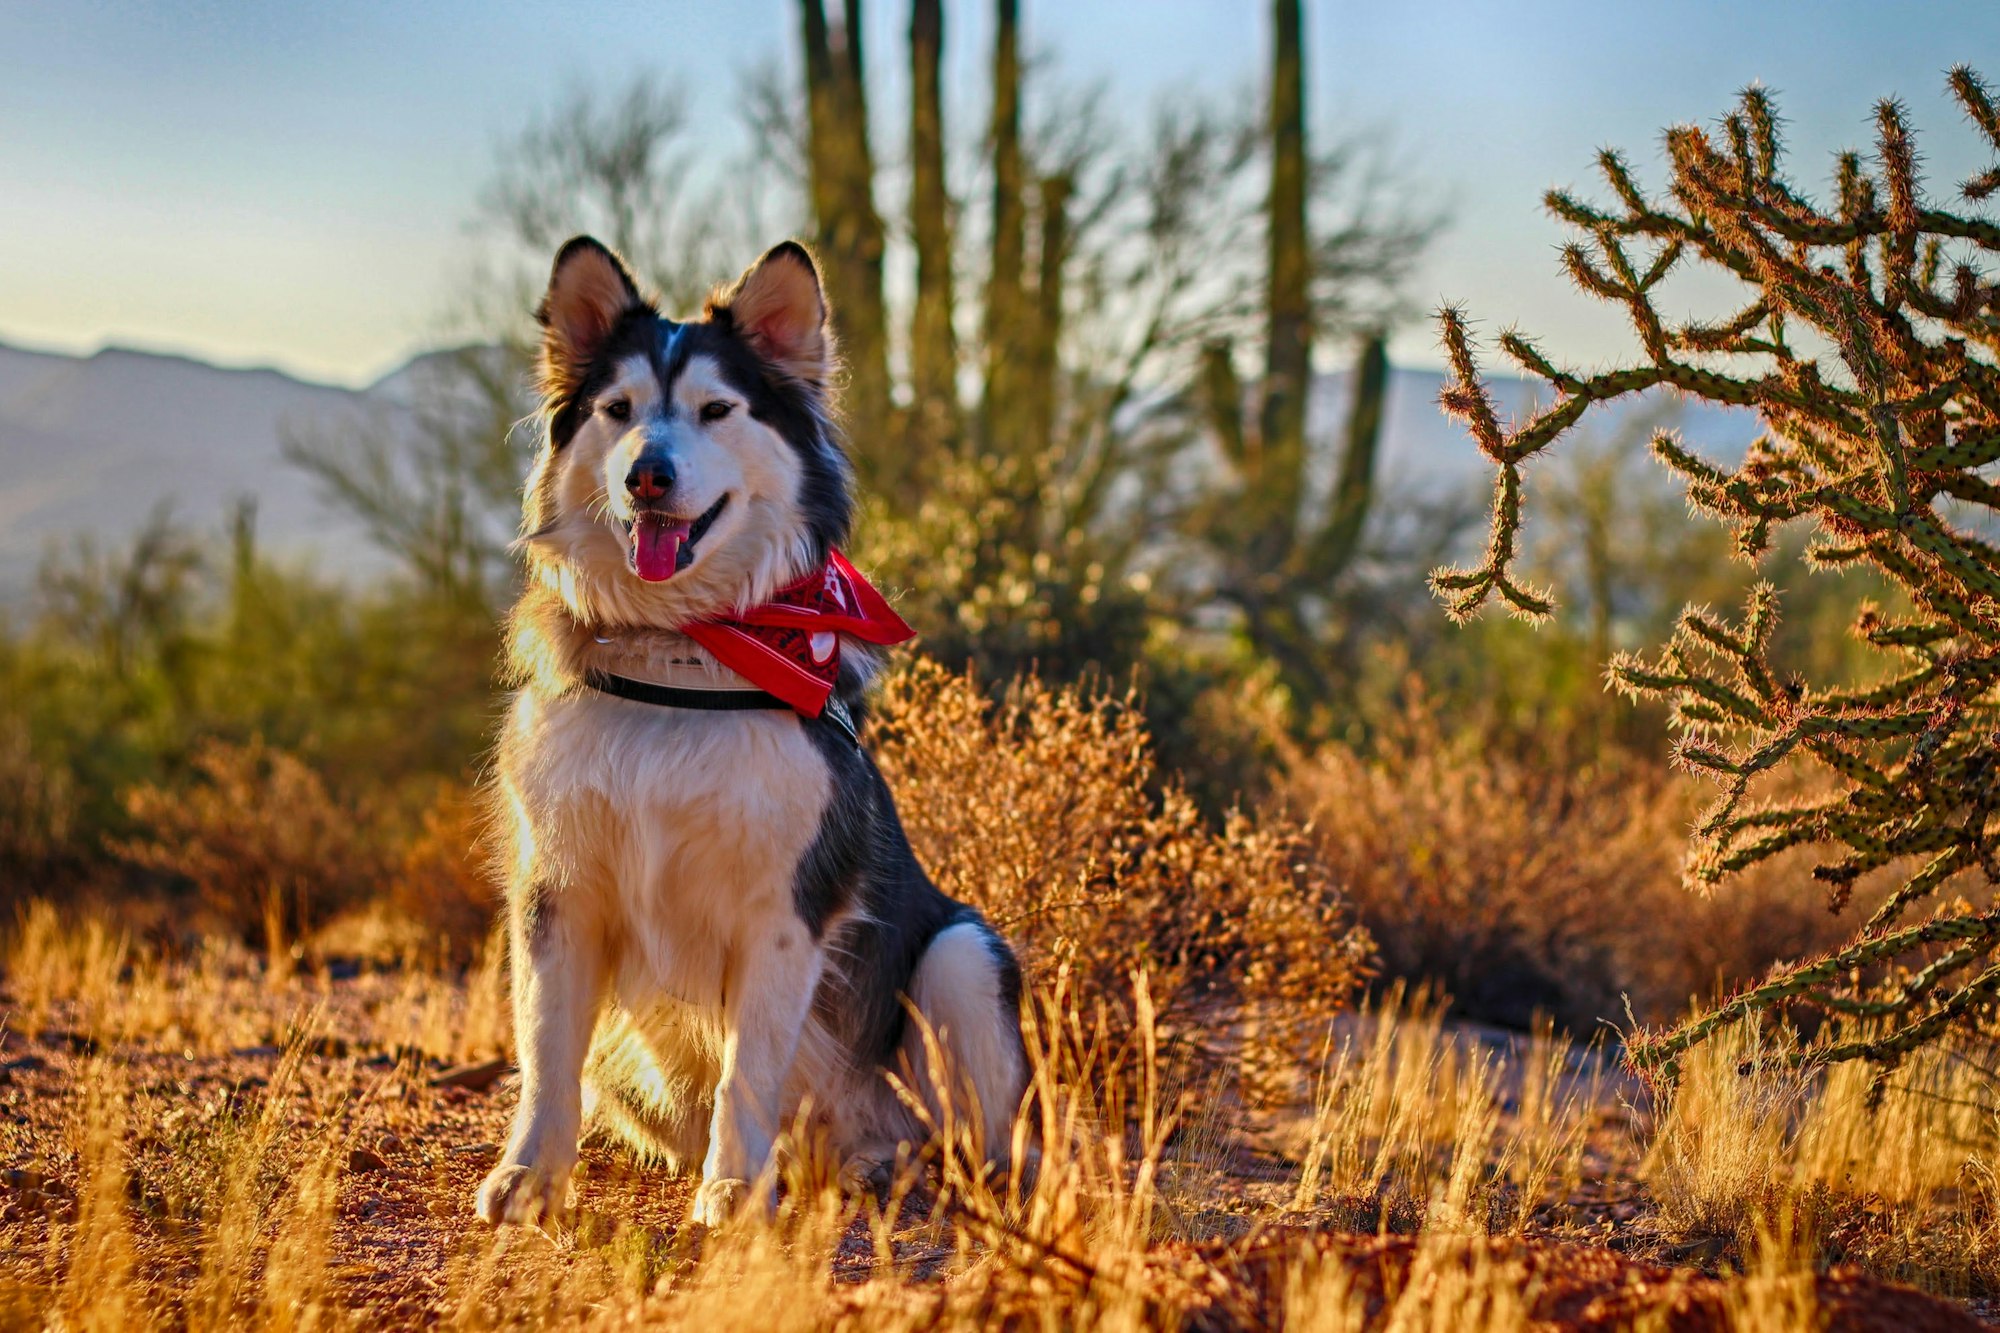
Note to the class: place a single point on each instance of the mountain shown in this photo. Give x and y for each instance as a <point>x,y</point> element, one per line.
<point>89,446</point>
<point>1426,455</point>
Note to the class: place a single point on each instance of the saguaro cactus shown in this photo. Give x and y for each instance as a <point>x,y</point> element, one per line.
<point>849,235</point>
<point>1288,335</point>
<point>1006,316</point>
<point>933,345</point>
<point>1879,447</point>
<point>1276,564</point>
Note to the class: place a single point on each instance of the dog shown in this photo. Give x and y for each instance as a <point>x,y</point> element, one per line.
<point>719,931</point>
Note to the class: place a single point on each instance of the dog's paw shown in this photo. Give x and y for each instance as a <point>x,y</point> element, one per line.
<point>718,1200</point>
<point>523,1194</point>
<point>867,1174</point>
<point>1016,1178</point>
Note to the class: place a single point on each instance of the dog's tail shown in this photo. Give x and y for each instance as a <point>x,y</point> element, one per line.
<point>967,988</point>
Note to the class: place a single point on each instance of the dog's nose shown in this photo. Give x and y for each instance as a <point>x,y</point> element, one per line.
<point>650,478</point>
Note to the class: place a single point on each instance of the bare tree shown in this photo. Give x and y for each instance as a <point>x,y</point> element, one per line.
<point>618,166</point>
<point>436,482</point>
<point>435,477</point>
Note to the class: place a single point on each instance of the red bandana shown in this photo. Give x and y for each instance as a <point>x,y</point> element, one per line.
<point>790,645</point>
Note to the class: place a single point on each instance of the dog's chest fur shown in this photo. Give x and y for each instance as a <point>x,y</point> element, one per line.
<point>681,831</point>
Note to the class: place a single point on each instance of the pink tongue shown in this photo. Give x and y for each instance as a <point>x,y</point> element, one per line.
<point>656,547</point>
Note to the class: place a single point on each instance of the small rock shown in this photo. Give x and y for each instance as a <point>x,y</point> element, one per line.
<point>329,1046</point>
<point>80,1043</point>
<point>478,1152</point>
<point>472,1077</point>
<point>389,1145</point>
<point>361,1159</point>
<point>21,1180</point>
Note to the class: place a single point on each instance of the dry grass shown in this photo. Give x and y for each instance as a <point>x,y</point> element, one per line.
<point>320,1180</point>
<point>1410,1117</point>
<point>1897,1175</point>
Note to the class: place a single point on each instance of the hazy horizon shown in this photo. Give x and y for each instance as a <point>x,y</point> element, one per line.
<point>291,189</point>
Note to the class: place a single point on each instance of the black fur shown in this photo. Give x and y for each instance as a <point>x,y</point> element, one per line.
<point>635,334</point>
<point>860,862</point>
<point>537,909</point>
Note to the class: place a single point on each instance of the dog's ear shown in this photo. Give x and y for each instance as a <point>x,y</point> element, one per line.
<point>777,307</point>
<point>589,292</point>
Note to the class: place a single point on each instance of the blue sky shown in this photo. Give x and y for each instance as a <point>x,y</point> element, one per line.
<point>289,184</point>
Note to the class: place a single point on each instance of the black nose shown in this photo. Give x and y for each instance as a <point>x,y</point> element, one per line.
<point>650,478</point>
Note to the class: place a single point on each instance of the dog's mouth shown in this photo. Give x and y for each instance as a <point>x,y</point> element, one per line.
<point>662,545</point>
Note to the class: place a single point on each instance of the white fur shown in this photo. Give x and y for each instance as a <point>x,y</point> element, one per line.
<point>957,991</point>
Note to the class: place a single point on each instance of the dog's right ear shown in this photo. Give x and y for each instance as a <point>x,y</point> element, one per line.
<point>589,292</point>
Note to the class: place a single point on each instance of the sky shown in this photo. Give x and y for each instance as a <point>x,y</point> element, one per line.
<point>290,185</point>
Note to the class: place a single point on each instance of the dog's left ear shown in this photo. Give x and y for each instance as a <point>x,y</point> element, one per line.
<point>778,307</point>
<point>589,292</point>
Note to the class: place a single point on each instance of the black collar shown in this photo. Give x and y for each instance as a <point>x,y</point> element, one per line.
<point>675,696</point>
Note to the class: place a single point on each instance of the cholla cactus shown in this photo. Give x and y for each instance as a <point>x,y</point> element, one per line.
<point>1868,345</point>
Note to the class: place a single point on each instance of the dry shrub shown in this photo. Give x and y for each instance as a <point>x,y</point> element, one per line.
<point>270,851</point>
<point>1040,809</point>
<point>441,879</point>
<point>37,805</point>
<point>1524,883</point>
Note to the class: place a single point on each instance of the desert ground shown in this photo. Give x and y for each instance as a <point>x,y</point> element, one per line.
<point>200,1144</point>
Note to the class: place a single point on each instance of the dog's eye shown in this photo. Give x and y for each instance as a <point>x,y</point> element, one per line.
<point>618,410</point>
<point>715,411</point>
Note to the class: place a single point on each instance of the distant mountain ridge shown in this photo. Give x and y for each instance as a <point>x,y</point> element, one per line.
<point>89,445</point>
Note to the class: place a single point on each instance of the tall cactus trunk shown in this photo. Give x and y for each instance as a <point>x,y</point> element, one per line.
<point>934,424</point>
<point>1044,346</point>
<point>1336,544</point>
<point>1288,293</point>
<point>848,231</point>
<point>1280,572</point>
<point>1008,313</point>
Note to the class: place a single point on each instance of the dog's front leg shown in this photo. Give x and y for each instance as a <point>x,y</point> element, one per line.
<point>767,1000</point>
<point>559,969</point>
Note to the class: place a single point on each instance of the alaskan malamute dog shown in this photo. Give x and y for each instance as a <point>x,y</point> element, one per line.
<point>716,919</point>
